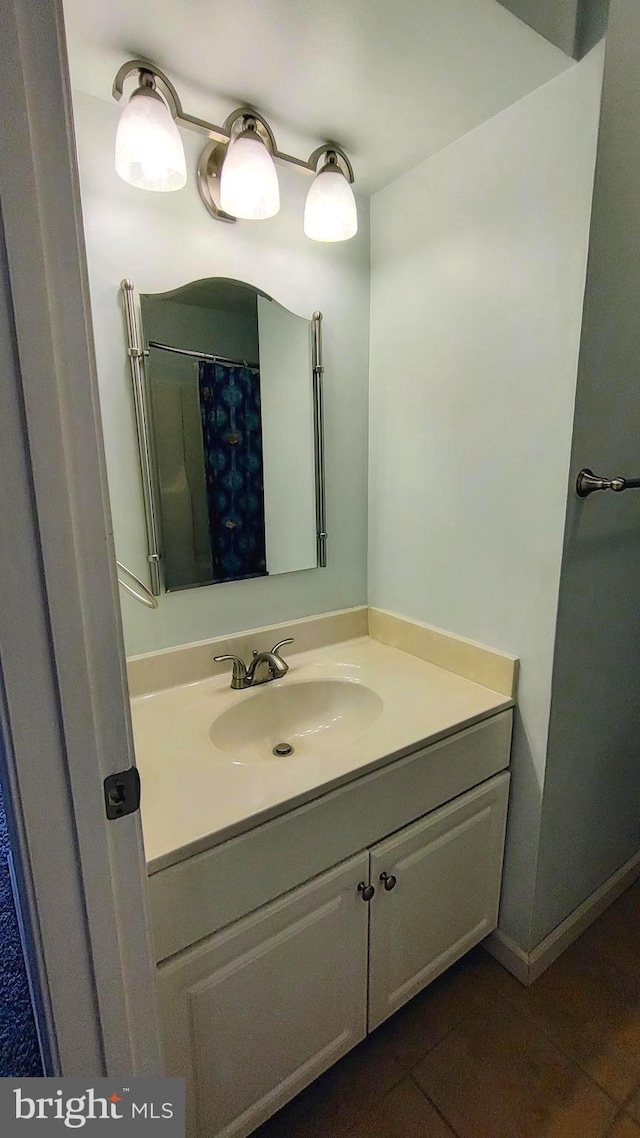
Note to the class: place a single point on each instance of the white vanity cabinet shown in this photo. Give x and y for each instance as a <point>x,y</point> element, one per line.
<point>437,893</point>
<point>255,1012</point>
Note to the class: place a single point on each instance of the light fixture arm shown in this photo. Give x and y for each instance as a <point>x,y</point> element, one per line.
<point>223,134</point>
<point>167,89</point>
<point>332,148</point>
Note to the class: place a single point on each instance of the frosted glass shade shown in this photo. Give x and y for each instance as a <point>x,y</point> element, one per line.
<point>149,151</point>
<point>248,181</point>
<point>330,212</point>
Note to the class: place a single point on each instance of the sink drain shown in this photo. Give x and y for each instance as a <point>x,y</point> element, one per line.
<point>282,749</point>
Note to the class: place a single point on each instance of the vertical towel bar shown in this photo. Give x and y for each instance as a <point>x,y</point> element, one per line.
<point>318,425</point>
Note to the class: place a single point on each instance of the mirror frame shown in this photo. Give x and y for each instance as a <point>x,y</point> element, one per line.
<point>137,354</point>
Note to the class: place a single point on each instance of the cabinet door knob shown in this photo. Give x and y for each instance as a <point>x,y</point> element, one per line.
<point>367,891</point>
<point>389,881</point>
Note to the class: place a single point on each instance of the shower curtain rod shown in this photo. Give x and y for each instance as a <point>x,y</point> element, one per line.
<point>202,355</point>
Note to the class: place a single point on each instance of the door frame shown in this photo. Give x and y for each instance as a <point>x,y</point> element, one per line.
<point>64,713</point>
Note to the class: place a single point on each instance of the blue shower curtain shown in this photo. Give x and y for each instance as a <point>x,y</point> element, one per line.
<point>232,438</point>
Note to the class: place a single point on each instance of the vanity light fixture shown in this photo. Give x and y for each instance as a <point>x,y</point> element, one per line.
<point>248,179</point>
<point>236,174</point>
<point>149,151</point>
<point>330,213</point>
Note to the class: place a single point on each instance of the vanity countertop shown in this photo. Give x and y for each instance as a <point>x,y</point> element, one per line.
<point>195,795</point>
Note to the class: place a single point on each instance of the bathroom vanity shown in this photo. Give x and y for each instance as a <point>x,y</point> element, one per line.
<point>299,901</point>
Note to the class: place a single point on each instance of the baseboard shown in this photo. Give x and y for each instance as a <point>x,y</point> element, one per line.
<point>509,954</point>
<point>527,966</point>
<point>570,929</point>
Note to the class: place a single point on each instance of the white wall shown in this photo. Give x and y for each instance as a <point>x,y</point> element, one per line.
<point>162,241</point>
<point>591,810</point>
<point>478,267</point>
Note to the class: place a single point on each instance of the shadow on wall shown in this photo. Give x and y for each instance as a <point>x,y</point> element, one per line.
<point>575,26</point>
<point>19,1051</point>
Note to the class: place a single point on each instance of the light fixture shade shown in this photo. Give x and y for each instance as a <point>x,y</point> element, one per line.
<point>330,212</point>
<point>149,151</point>
<point>248,180</point>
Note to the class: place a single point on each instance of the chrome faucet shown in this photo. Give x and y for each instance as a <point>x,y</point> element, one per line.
<point>264,667</point>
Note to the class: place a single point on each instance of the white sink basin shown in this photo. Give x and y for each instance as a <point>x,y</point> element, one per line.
<point>308,716</point>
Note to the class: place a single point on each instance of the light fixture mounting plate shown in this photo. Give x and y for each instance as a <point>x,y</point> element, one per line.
<point>208,179</point>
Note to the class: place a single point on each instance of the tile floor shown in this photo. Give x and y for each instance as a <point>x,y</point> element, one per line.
<point>478,1056</point>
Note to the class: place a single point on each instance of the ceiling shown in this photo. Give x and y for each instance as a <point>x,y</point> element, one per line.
<point>392,81</point>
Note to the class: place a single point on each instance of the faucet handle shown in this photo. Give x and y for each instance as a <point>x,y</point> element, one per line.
<point>239,675</point>
<point>281,644</point>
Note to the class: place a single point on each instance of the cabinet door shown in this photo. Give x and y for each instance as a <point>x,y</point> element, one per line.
<point>445,898</point>
<point>256,1012</point>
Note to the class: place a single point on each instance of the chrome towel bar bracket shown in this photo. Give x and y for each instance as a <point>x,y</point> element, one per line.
<point>135,587</point>
<point>587,483</point>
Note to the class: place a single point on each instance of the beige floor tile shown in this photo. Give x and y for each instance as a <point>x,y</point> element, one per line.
<point>499,1076</point>
<point>303,1117</point>
<point>362,1078</point>
<point>617,934</point>
<point>403,1113</point>
<point>633,1107</point>
<point>625,1128</point>
<point>469,986</point>
<point>591,1007</point>
<point>341,1097</point>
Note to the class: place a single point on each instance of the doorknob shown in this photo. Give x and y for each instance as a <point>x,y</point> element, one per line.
<point>389,881</point>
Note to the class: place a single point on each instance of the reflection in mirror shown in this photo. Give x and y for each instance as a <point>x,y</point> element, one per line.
<point>230,377</point>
